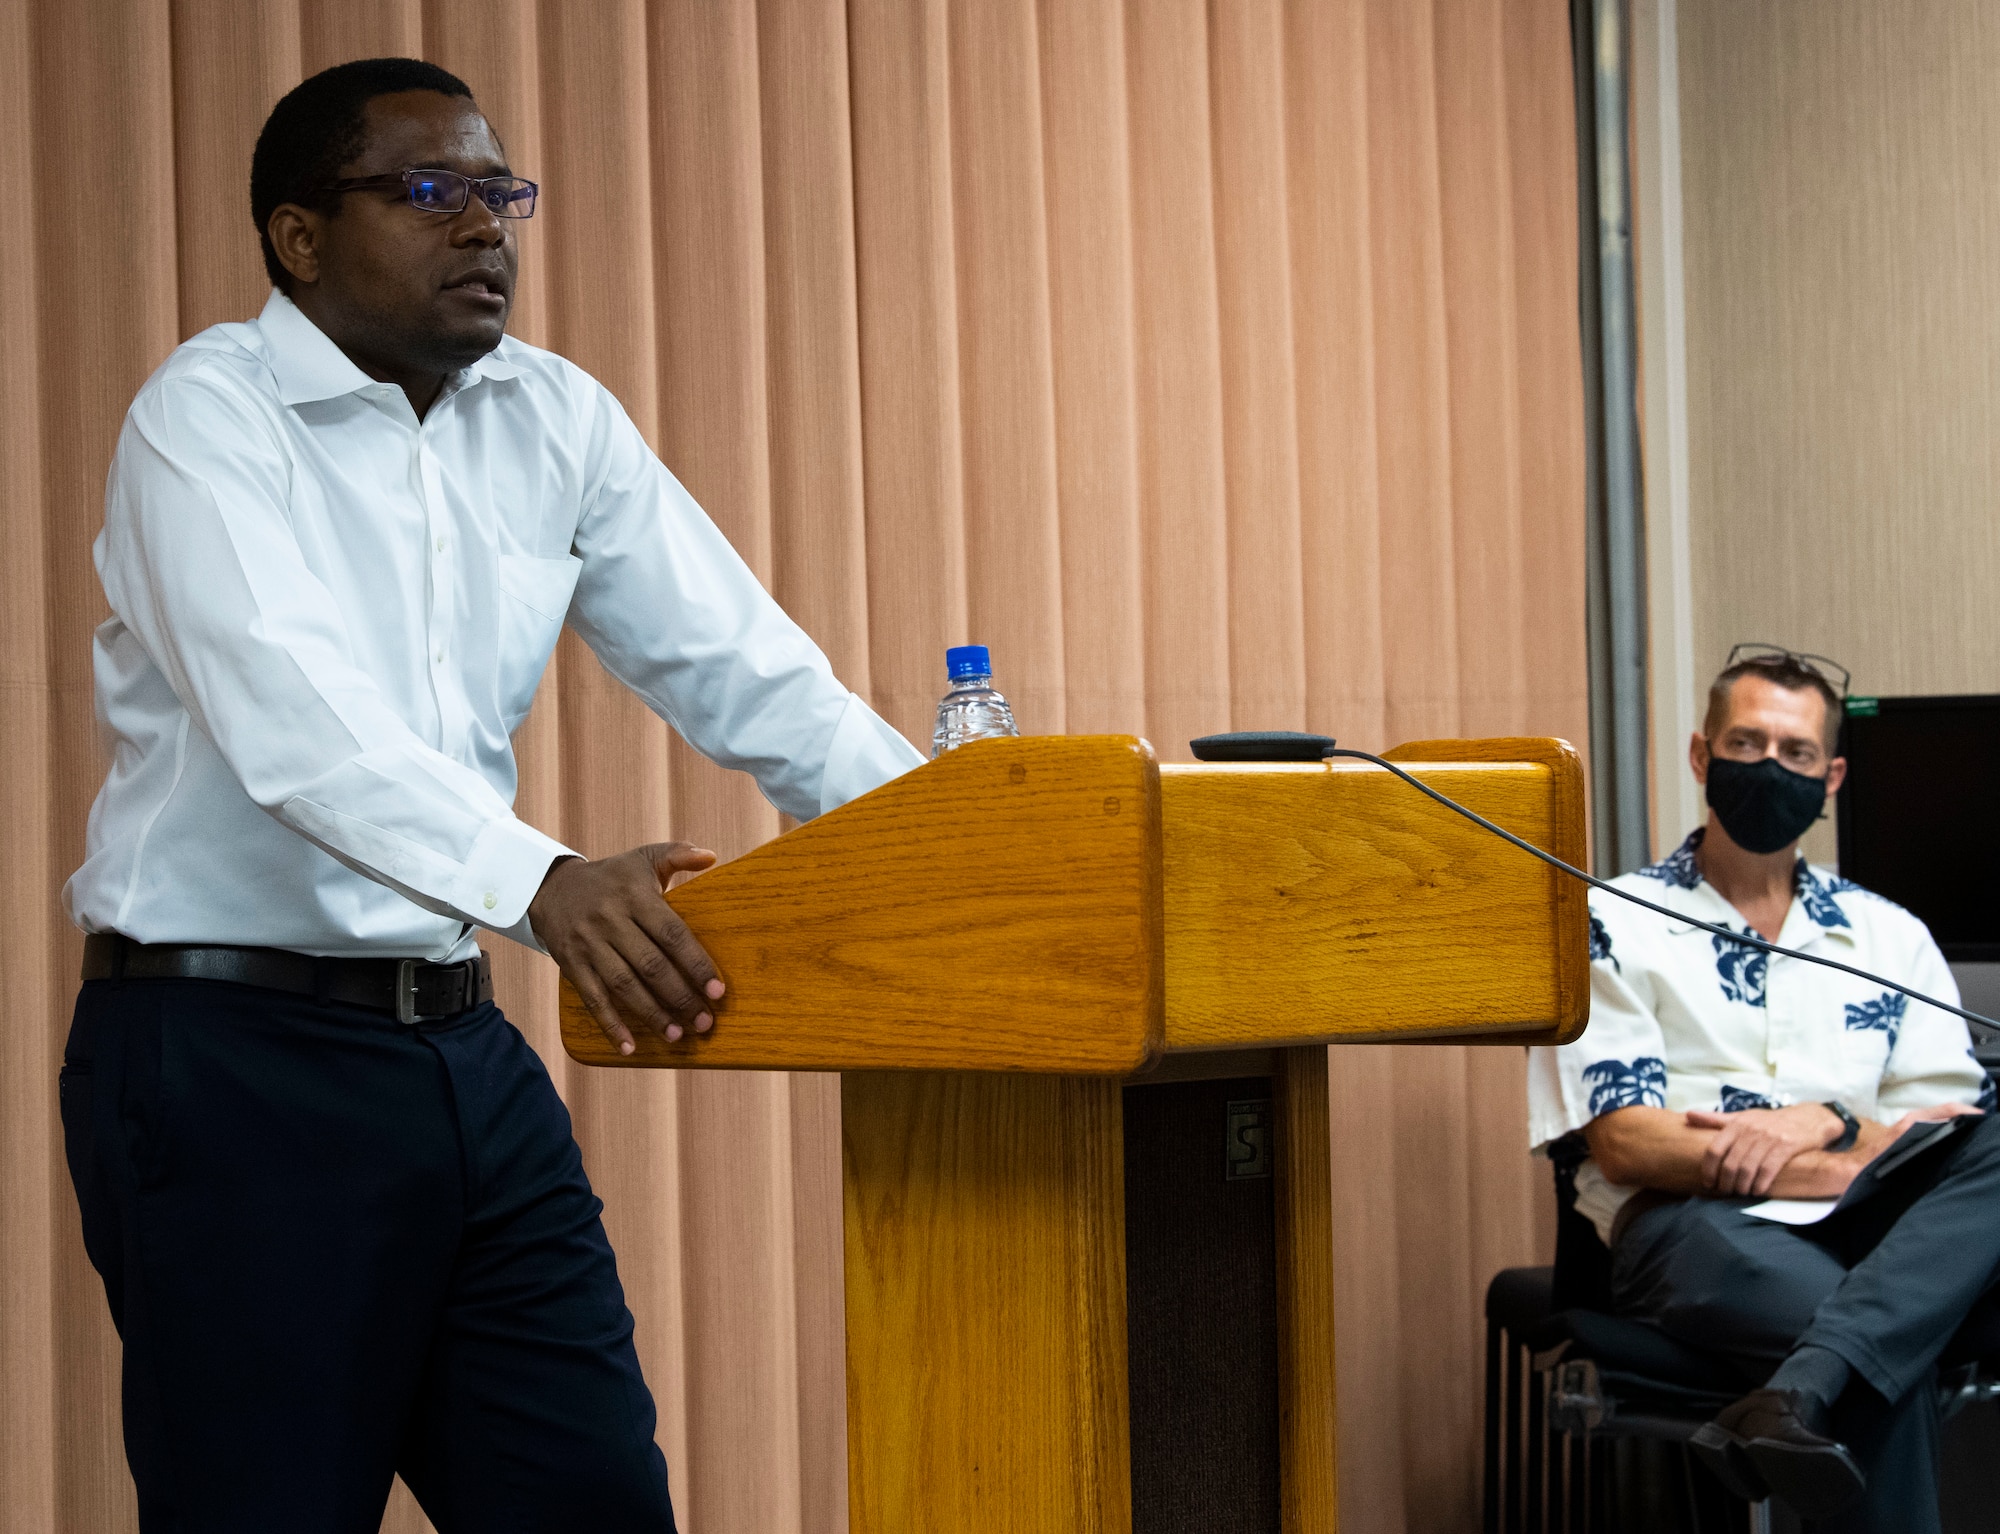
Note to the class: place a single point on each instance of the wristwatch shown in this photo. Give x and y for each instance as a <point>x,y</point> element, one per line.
<point>1850,1127</point>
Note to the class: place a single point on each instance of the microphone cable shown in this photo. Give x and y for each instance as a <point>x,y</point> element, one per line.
<point>1991,1029</point>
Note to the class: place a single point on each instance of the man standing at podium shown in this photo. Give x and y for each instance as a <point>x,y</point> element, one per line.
<point>341,1221</point>
<point>1714,1076</point>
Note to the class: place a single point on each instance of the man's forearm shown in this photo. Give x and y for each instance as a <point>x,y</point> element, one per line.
<point>1826,1174</point>
<point>1657,1148</point>
<point>1818,1174</point>
<point>1648,1148</point>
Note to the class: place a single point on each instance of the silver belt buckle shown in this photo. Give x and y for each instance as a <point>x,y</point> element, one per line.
<point>406,990</point>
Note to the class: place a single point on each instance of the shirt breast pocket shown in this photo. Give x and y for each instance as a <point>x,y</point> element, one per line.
<point>535,597</point>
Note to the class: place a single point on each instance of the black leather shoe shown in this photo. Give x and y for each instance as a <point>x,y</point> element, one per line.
<point>1728,1459</point>
<point>1774,1442</point>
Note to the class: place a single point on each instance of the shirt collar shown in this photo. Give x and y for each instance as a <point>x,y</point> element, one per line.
<point>308,366</point>
<point>1813,905</point>
<point>1678,870</point>
<point>1814,896</point>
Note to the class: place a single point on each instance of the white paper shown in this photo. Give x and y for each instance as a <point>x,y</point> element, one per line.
<point>1793,1211</point>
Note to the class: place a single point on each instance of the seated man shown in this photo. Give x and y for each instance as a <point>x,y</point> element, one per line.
<point>1715,1075</point>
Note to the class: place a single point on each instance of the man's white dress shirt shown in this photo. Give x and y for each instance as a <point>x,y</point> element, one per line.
<point>1682,1019</point>
<point>328,616</point>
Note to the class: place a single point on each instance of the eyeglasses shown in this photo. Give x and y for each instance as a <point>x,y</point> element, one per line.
<point>1754,653</point>
<point>446,191</point>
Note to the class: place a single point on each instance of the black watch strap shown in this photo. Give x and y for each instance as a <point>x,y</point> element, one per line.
<point>1850,1130</point>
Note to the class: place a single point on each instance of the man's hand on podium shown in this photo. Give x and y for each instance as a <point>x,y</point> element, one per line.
<point>622,946</point>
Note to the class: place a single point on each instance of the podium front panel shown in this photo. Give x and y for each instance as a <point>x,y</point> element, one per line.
<point>1332,902</point>
<point>995,910</point>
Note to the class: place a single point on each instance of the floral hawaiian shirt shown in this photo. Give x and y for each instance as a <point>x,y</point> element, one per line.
<point>1681,1018</point>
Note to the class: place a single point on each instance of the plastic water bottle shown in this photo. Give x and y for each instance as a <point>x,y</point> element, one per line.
<point>971,709</point>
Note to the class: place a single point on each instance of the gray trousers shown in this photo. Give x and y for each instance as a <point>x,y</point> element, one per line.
<point>1883,1283</point>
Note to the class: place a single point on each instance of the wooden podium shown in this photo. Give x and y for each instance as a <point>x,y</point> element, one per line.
<point>994,951</point>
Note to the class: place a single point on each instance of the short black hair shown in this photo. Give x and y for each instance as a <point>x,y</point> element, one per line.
<point>318,127</point>
<point>1786,671</point>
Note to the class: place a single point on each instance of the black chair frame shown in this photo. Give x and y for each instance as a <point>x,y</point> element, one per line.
<point>1588,1414</point>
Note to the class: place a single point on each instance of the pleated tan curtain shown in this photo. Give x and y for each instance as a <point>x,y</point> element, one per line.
<point>1214,363</point>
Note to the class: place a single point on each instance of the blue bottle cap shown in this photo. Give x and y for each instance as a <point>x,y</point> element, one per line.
<point>963,660</point>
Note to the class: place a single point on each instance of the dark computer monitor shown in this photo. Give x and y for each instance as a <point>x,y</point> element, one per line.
<point>1919,817</point>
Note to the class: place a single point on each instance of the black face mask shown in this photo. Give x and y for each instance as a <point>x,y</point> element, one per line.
<point>1763,805</point>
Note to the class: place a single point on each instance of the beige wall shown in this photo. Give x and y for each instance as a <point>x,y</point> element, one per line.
<point>1840,204</point>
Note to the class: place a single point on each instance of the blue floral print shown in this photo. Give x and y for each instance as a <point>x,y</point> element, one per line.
<point>1678,868</point>
<point>1742,970</point>
<point>1817,897</point>
<point>1641,1083</point>
<point>1736,1099</point>
<point>1884,1012</point>
<point>1600,943</point>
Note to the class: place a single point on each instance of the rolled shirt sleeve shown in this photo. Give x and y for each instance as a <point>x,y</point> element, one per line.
<point>1621,1060</point>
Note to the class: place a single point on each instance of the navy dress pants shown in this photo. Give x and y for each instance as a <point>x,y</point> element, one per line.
<point>339,1248</point>
<point>1884,1283</point>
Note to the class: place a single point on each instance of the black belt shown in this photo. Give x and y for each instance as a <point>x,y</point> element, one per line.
<point>410,990</point>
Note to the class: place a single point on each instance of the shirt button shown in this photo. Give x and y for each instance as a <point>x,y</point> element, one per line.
<point>439,657</point>
<point>491,900</point>
<point>440,545</point>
